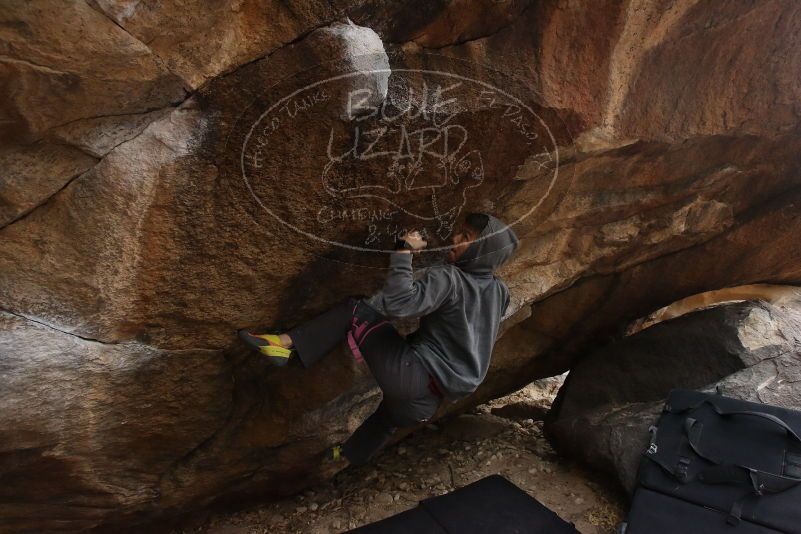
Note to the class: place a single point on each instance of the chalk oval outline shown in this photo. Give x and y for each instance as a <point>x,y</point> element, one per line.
<point>390,71</point>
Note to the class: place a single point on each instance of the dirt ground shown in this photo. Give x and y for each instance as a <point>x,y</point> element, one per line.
<point>502,437</point>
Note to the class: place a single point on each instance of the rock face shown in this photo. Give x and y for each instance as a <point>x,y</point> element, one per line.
<point>91,425</point>
<point>750,350</point>
<point>172,173</point>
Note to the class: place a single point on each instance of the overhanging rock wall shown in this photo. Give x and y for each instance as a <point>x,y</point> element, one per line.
<point>132,246</point>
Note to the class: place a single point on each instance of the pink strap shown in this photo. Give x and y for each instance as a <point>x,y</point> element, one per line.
<point>357,331</point>
<point>354,325</point>
<point>354,348</point>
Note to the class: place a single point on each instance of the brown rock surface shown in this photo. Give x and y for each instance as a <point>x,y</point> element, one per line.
<point>207,39</point>
<point>64,61</point>
<point>34,173</point>
<point>683,179</point>
<point>89,427</point>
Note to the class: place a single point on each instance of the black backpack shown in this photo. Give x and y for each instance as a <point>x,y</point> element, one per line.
<point>719,465</point>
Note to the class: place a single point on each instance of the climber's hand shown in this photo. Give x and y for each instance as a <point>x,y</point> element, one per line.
<point>415,240</point>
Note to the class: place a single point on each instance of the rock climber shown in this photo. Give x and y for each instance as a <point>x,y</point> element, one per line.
<point>460,305</point>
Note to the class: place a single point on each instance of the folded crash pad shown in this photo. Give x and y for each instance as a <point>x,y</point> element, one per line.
<point>492,504</point>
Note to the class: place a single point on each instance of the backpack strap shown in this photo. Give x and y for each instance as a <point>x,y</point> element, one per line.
<point>727,473</point>
<point>723,472</point>
<point>724,413</point>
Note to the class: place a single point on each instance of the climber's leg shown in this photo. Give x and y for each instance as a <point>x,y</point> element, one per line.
<point>392,361</point>
<point>318,336</point>
<point>378,429</point>
<point>370,437</point>
<point>405,383</point>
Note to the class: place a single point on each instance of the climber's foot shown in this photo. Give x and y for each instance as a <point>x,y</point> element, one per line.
<point>335,456</point>
<point>270,345</point>
<point>334,453</point>
<point>334,461</point>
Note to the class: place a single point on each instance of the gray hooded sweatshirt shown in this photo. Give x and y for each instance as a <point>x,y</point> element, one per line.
<point>460,306</point>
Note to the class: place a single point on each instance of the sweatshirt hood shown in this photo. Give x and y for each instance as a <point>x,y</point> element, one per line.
<point>496,244</point>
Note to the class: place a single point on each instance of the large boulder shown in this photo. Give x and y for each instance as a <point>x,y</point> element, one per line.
<point>89,427</point>
<point>174,172</point>
<point>747,350</point>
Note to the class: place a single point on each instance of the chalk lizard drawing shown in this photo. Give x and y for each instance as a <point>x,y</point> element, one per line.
<point>414,164</point>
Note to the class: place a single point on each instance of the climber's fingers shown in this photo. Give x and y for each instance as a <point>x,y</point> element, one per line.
<point>415,239</point>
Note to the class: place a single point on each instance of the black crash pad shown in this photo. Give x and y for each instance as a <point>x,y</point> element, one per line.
<point>655,513</point>
<point>492,504</point>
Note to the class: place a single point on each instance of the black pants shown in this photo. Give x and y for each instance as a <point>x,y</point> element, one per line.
<point>408,398</point>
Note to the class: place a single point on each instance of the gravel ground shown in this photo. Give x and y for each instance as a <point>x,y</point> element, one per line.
<point>502,437</point>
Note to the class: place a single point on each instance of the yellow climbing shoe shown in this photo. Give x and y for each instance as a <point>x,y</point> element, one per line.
<point>334,453</point>
<point>269,345</point>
